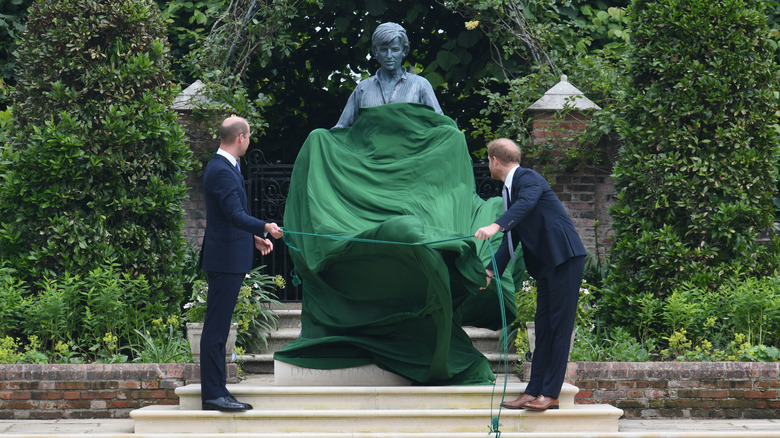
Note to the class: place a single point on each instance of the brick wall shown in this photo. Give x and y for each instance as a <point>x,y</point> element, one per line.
<point>81,391</point>
<point>194,207</point>
<point>587,195</point>
<point>200,137</point>
<point>641,389</point>
<point>587,192</point>
<point>682,389</point>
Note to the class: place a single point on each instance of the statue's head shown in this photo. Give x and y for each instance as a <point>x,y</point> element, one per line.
<point>385,34</point>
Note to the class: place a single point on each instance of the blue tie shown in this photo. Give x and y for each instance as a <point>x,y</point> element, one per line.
<point>238,168</point>
<point>507,198</point>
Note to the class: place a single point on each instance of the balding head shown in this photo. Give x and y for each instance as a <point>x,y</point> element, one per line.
<point>505,150</point>
<point>231,128</point>
<point>234,136</point>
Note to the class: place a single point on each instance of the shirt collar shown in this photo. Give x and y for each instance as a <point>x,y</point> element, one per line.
<point>227,155</point>
<point>404,73</point>
<point>509,176</point>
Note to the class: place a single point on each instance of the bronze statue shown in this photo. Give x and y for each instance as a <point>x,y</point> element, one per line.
<point>392,83</point>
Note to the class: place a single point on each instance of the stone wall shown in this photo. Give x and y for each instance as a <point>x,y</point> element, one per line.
<point>642,389</point>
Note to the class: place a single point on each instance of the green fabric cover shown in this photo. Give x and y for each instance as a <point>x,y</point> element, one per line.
<point>401,173</point>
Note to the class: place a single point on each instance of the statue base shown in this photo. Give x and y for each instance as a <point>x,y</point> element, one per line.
<point>286,374</point>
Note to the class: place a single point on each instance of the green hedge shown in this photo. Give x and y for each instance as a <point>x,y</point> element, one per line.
<point>93,173</point>
<point>697,172</point>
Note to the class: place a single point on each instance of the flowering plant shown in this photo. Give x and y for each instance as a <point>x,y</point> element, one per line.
<point>254,310</point>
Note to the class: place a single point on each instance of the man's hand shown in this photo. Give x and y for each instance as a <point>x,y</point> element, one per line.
<point>274,230</point>
<point>487,232</point>
<point>264,245</point>
<point>489,276</point>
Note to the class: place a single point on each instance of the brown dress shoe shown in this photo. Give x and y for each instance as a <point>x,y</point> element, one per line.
<point>519,402</point>
<point>542,403</point>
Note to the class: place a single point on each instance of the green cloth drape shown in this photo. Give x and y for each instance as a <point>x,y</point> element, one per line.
<point>401,173</point>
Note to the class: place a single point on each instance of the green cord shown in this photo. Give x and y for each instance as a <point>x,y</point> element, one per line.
<point>503,354</point>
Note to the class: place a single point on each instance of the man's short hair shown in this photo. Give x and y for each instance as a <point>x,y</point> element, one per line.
<point>505,150</point>
<point>230,130</point>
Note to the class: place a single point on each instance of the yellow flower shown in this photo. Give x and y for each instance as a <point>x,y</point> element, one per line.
<point>471,25</point>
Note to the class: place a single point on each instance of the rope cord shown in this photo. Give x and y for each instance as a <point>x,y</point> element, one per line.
<point>504,347</point>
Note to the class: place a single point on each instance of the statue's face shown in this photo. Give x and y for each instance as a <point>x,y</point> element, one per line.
<point>391,55</point>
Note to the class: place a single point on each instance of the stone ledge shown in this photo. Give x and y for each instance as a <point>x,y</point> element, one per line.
<point>650,390</point>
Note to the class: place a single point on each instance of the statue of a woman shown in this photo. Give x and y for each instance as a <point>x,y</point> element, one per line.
<point>392,83</point>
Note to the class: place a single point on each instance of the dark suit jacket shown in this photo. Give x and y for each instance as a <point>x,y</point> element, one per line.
<point>537,218</point>
<point>228,245</point>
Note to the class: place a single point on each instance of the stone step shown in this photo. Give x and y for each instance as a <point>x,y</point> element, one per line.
<point>484,340</point>
<point>280,338</point>
<point>270,396</point>
<point>288,318</point>
<point>488,341</point>
<point>395,410</point>
<point>444,422</point>
<point>263,363</point>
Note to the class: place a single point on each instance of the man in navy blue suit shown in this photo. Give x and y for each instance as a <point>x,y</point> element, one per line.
<point>232,235</point>
<point>553,255</point>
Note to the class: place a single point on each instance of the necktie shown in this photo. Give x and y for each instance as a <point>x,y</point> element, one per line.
<point>238,167</point>
<point>506,198</point>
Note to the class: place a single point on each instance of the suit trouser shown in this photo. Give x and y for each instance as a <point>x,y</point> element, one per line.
<point>556,307</point>
<point>220,303</point>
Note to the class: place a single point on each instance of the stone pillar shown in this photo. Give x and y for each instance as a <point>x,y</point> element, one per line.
<point>203,144</point>
<point>587,192</point>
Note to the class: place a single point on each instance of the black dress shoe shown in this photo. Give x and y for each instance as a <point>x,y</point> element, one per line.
<point>223,404</point>
<point>247,406</point>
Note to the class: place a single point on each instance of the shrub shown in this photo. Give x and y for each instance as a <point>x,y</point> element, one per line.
<point>94,168</point>
<point>92,314</point>
<point>698,167</point>
<point>254,311</point>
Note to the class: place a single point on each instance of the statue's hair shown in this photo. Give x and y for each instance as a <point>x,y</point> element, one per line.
<point>385,33</point>
<point>505,150</point>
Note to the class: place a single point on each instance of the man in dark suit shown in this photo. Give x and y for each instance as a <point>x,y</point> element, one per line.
<point>553,255</point>
<point>232,235</point>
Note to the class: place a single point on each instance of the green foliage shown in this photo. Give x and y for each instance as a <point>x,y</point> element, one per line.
<point>617,345</point>
<point>93,314</point>
<point>12,15</point>
<point>12,302</point>
<point>164,343</point>
<point>582,39</point>
<point>187,22</point>
<point>92,318</point>
<point>698,167</point>
<point>94,169</point>
<point>11,351</point>
<point>526,310</point>
<point>697,323</point>
<point>308,86</point>
<point>254,308</point>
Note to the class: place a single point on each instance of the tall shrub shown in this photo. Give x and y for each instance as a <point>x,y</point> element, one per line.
<point>94,169</point>
<point>697,173</point>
